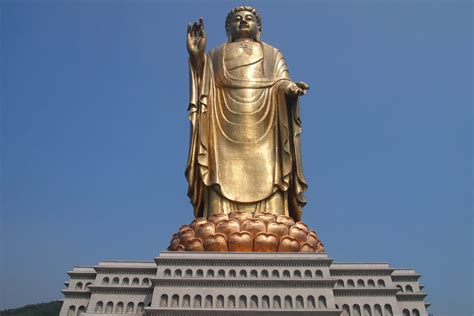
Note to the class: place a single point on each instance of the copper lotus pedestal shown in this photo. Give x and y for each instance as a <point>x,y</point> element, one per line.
<point>246,232</point>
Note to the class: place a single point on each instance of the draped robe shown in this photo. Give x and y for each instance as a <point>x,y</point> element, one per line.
<point>245,134</point>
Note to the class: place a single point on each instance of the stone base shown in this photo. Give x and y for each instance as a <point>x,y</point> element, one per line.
<point>239,312</point>
<point>231,283</point>
<point>243,284</point>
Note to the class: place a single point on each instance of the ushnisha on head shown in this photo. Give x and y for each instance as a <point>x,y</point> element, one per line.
<point>243,23</point>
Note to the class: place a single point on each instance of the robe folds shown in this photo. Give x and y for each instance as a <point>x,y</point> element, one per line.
<point>245,133</point>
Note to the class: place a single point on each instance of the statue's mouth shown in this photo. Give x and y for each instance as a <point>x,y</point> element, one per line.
<point>243,26</point>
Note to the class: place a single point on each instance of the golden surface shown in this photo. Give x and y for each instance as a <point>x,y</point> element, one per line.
<point>244,151</point>
<point>244,167</point>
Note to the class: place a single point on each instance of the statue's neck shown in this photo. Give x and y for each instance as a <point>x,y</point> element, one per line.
<point>243,40</point>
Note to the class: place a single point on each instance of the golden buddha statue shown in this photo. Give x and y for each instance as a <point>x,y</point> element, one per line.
<point>244,151</point>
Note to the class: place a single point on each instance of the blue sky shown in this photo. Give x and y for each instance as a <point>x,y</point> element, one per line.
<point>94,133</point>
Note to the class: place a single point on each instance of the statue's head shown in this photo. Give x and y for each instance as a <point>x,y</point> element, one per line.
<point>243,22</point>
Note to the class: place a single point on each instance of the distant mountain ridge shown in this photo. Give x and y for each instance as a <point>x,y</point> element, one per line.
<point>42,309</point>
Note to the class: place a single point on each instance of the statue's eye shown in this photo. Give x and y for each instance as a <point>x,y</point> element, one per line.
<point>238,18</point>
<point>249,17</point>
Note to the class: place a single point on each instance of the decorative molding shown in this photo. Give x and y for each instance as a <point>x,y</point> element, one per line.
<point>406,278</point>
<point>75,294</point>
<point>82,276</point>
<point>365,292</point>
<point>226,282</point>
<point>121,289</point>
<point>157,311</point>
<point>122,270</point>
<point>410,297</point>
<point>198,262</point>
<point>360,272</point>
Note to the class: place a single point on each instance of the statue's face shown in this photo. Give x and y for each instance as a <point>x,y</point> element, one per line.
<point>243,25</point>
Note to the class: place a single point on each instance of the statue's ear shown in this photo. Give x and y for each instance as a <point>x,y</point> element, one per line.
<point>258,36</point>
<point>229,37</point>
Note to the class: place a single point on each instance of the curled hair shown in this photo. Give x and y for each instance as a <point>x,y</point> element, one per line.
<point>243,8</point>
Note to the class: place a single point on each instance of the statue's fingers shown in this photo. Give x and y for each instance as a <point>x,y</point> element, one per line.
<point>195,29</point>
<point>303,85</point>
<point>201,26</point>
<point>189,30</point>
<point>293,90</point>
<point>296,90</point>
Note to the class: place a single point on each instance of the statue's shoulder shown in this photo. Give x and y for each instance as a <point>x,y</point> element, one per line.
<point>270,48</point>
<point>217,50</point>
<point>220,48</point>
<point>267,46</point>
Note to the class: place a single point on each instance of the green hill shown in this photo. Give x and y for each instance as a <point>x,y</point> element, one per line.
<point>43,309</point>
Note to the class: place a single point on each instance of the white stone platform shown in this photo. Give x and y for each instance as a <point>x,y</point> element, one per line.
<point>213,283</point>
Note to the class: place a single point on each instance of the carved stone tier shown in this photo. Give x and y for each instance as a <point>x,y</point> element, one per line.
<point>230,283</point>
<point>246,232</point>
<point>193,283</point>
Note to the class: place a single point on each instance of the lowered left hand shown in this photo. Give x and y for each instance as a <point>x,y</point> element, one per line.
<point>297,88</point>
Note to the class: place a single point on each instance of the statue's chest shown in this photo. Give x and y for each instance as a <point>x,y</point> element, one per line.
<point>244,60</point>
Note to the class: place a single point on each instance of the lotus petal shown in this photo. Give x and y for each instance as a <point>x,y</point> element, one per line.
<point>320,247</point>
<point>265,217</point>
<point>174,241</point>
<point>241,242</point>
<point>303,226</point>
<point>195,244</point>
<point>312,239</point>
<point>279,229</point>
<point>216,242</point>
<point>217,218</point>
<point>198,221</point>
<point>184,240</point>
<point>254,226</point>
<point>204,230</point>
<point>178,248</point>
<point>183,227</point>
<point>307,248</point>
<point>186,232</point>
<point>288,221</point>
<point>240,216</point>
<point>265,242</point>
<point>289,244</point>
<point>298,233</point>
<point>228,227</point>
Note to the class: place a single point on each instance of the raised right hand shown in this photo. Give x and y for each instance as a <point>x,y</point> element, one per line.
<point>196,42</point>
